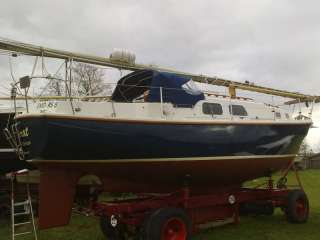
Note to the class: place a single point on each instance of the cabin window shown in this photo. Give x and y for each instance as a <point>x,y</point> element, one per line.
<point>278,115</point>
<point>212,108</point>
<point>238,110</point>
<point>287,116</point>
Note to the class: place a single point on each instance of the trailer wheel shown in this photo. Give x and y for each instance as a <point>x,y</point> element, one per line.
<point>110,232</point>
<point>168,224</point>
<point>297,209</point>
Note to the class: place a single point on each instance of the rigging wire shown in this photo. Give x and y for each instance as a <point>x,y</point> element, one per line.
<point>44,69</point>
<point>34,66</point>
<point>54,77</point>
<point>12,75</point>
<point>11,70</point>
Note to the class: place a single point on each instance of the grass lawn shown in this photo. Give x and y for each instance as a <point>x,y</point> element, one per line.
<point>250,228</point>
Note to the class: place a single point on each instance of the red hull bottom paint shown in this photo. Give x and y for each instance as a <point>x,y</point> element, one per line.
<point>59,179</point>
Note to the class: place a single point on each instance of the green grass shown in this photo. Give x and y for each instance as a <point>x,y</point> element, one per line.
<point>250,228</point>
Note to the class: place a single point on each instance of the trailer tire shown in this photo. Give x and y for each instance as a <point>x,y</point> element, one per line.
<point>297,208</point>
<point>112,233</point>
<point>167,224</point>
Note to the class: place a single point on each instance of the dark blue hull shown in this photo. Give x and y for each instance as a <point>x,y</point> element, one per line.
<point>92,139</point>
<point>9,162</point>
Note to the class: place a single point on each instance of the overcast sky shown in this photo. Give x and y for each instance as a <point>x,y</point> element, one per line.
<point>271,43</point>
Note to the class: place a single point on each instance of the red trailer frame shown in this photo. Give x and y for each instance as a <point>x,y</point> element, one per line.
<point>178,215</point>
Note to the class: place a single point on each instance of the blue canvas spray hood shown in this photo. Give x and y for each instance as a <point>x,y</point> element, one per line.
<point>175,89</point>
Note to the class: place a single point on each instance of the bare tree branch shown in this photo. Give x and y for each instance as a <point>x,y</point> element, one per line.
<point>89,80</point>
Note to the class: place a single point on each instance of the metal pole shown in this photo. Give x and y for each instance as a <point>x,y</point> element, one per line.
<point>12,204</point>
<point>230,108</point>
<point>273,109</point>
<point>161,101</point>
<point>113,109</point>
<point>67,88</point>
<point>66,78</point>
<point>70,76</point>
<point>26,99</point>
<point>13,96</point>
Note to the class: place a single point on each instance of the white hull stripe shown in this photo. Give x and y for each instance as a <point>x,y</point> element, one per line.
<point>187,159</point>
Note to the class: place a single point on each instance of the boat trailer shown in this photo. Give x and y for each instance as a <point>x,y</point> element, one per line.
<point>180,214</point>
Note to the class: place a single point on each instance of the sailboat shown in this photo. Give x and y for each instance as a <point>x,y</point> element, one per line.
<point>159,126</point>
<point>157,133</point>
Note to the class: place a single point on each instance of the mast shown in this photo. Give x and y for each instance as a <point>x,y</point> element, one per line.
<point>33,50</point>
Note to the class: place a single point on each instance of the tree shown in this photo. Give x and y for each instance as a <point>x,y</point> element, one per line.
<point>55,87</point>
<point>305,152</point>
<point>88,80</point>
<point>305,149</point>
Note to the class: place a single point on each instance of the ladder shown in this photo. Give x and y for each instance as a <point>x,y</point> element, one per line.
<point>26,213</point>
<point>13,137</point>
